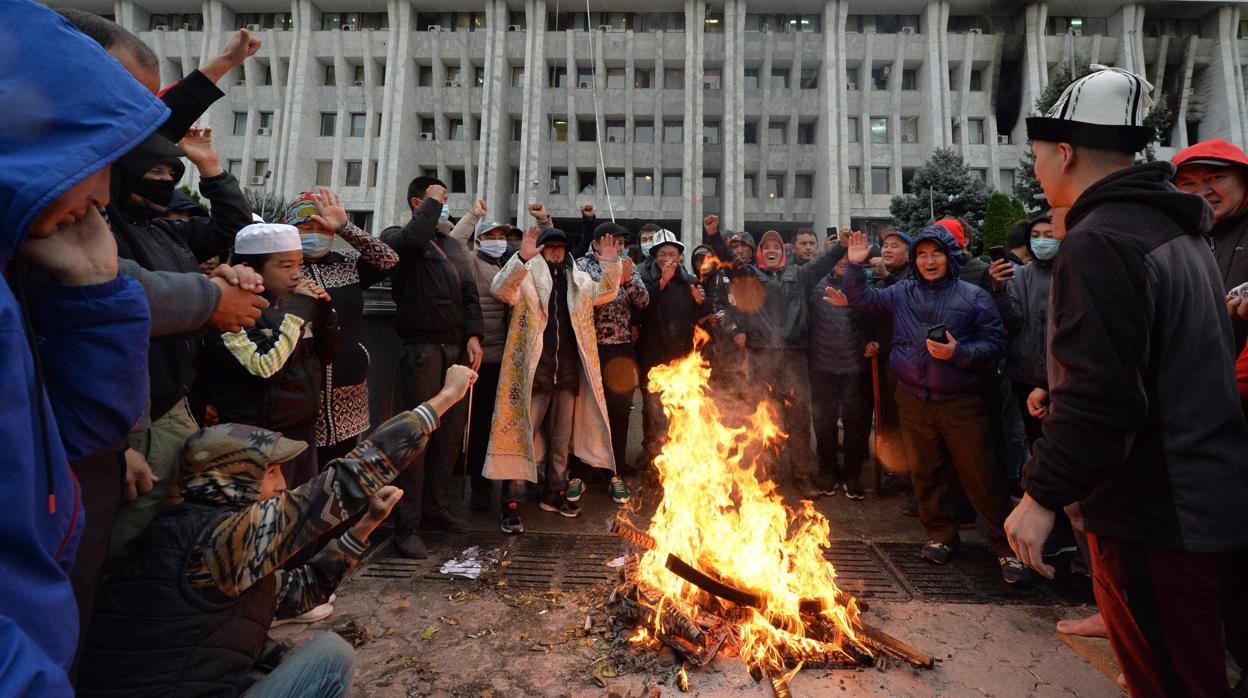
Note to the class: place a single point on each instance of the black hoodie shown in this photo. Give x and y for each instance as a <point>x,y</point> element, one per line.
<point>1146,429</point>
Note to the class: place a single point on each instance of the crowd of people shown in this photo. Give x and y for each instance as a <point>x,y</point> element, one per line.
<point>191,459</point>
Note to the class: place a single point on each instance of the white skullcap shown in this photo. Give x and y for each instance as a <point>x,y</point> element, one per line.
<point>267,238</point>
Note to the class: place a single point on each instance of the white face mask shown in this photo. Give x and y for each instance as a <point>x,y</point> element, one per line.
<point>492,248</point>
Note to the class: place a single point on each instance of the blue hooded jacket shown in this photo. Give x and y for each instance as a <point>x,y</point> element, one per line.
<point>70,110</point>
<point>967,311</point>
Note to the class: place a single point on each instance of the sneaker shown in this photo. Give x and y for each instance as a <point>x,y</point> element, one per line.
<point>853,490</point>
<point>411,546</point>
<point>576,488</point>
<point>807,489</point>
<point>319,613</point>
<point>562,507</point>
<point>444,521</point>
<point>937,553</point>
<point>1013,571</point>
<point>619,491</point>
<point>511,522</point>
<point>828,485</point>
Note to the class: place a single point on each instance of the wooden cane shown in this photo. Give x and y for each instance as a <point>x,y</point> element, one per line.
<point>875,394</point>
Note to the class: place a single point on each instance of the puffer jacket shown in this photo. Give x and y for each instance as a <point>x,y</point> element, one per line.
<point>838,335</point>
<point>494,313</point>
<point>915,304</point>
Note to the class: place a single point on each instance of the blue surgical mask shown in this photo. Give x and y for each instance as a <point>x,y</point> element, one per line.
<point>316,244</point>
<point>492,248</point>
<point>645,248</point>
<point>446,210</point>
<point>1045,248</point>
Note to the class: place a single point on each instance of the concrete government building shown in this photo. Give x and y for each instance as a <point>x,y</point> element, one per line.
<point>772,114</point>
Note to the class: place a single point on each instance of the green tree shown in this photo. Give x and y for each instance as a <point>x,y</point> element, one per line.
<point>944,187</point>
<point>1003,212</point>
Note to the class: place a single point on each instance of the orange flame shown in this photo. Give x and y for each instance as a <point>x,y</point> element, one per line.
<point>721,514</point>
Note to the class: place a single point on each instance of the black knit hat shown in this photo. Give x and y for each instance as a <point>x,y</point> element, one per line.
<point>1104,109</point>
<point>553,236</point>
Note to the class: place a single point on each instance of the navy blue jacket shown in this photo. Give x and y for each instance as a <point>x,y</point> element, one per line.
<point>968,313</point>
<point>92,339</point>
<point>838,335</point>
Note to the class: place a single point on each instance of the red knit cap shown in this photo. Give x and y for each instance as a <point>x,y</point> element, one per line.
<point>954,226</point>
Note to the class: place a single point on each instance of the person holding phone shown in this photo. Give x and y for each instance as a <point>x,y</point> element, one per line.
<point>945,333</point>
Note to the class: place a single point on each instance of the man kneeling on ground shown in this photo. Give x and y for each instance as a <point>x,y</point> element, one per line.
<point>189,613</point>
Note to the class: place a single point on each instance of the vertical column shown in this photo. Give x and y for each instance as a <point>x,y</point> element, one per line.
<point>292,165</point>
<point>534,181</point>
<point>831,186</point>
<point>732,175</point>
<point>1226,100</point>
<point>691,172</point>
<point>1185,92</point>
<point>1035,60</point>
<point>389,203</point>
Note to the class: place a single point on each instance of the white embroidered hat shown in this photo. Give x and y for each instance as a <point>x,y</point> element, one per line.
<point>666,237</point>
<point>267,238</point>
<point>1104,109</point>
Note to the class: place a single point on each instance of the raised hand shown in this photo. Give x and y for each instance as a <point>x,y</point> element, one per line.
<point>626,268</point>
<point>833,296</point>
<point>458,379</point>
<point>436,191</point>
<point>610,252</point>
<point>379,505</point>
<point>1001,271</point>
<point>200,150</point>
<point>587,210</point>
<point>699,294</point>
<point>528,245</point>
<point>859,248</point>
<point>241,46</point>
<point>332,213</point>
<point>537,209</point>
<point>711,224</point>
<point>479,209</point>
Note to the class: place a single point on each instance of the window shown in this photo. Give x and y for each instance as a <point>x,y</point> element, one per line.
<point>517,130</point>
<point>615,183</point>
<point>234,167</point>
<point>777,133</point>
<point>452,75</point>
<point>804,186</point>
<point>424,76</point>
<point>358,120</point>
<point>173,22</point>
<point>909,129</point>
<point>379,69</point>
<point>980,174</point>
<point>711,79</point>
<point>673,132</point>
<point>616,130</point>
<point>673,78</point>
<point>329,123</point>
<point>907,179</point>
<point>751,79</point>
<point>361,219</point>
<point>459,183</point>
<point>517,76</point>
<point>909,79</point>
<point>880,180</point>
<point>671,184</point>
<point>587,181</point>
<point>643,79</point>
<point>266,73</point>
<point>324,170</point>
<point>714,23</point>
<point>1080,26</point>
<point>331,21</point>
<point>586,130</point>
<point>749,132</point>
<point>851,78</point>
<point>782,23</point>
<point>455,129</point>
<point>851,129</point>
<point>879,129</point>
<point>774,186</point>
<point>975,131</point>
<point>358,75</point>
<point>643,185</point>
<point>372,177</point>
<point>749,187</point>
<point>558,76</point>
<point>355,173</point>
<point>479,76</point>
<point>779,78</point>
<point>855,180</point>
<point>559,182</point>
<point>260,168</point>
<point>240,123</point>
<point>378,131</point>
<point>977,81</point>
<point>881,24</point>
<point>643,131</point>
<point>427,126</point>
<point>1007,181</point>
<point>879,77</point>
<point>710,184</point>
<point>710,132</point>
<point>809,79</point>
<point>584,76</point>
<point>616,79</point>
<point>558,129</point>
<point>281,21</point>
<point>806,133</point>
<point>331,78</point>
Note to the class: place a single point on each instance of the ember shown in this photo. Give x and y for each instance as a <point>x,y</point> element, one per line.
<point>727,566</point>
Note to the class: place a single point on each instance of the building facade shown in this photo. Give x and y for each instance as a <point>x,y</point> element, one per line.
<point>771,114</point>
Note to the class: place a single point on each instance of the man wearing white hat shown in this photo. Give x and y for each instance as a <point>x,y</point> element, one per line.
<point>1143,443</point>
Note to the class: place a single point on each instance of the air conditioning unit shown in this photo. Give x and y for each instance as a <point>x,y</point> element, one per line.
<point>976,30</point>
<point>907,30</point>
<point>434,28</point>
<point>765,27</point>
<point>241,82</point>
<point>349,27</point>
<point>554,189</point>
<point>888,70</point>
<point>604,27</point>
<point>585,84</point>
<point>452,83</point>
<point>263,131</point>
<point>706,140</point>
<point>426,136</point>
<point>358,83</point>
<point>908,138</point>
<point>855,188</point>
<point>709,86</point>
<point>1076,32</point>
<point>514,28</point>
<point>615,139</point>
<point>851,86</point>
<point>257,181</point>
<point>254,28</point>
<point>1003,139</point>
<point>161,28</point>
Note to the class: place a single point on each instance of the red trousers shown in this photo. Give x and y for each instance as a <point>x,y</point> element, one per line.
<point>1165,612</point>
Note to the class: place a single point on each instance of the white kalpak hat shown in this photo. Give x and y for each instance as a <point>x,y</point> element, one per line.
<point>666,237</point>
<point>267,238</point>
<point>1104,109</point>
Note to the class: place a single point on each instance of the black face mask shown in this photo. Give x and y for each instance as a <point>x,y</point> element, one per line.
<point>157,191</point>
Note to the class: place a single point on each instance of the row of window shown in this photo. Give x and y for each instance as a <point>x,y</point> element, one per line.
<point>353,173</point>
<point>671,184</point>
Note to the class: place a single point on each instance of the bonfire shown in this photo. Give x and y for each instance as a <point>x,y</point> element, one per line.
<point>728,568</point>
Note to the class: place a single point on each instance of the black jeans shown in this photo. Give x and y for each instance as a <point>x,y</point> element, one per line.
<point>422,368</point>
<point>619,383</point>
<point>1031,425</point>
<point>783,371</point>
<point>484,392</point>
<point>961,428</point>
<point>846,398</point>
<point>101,484</point>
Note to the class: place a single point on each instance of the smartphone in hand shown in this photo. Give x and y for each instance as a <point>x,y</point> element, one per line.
<point>936,333</point>
<point>997,253</point>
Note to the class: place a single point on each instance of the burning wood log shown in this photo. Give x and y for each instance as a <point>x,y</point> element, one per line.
<point>895,648</point>
<point>628,532</point>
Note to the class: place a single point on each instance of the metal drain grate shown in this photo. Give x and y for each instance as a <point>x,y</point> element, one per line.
<point>973,576</point>
<point>553,561</point>
<point>861,574</point>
